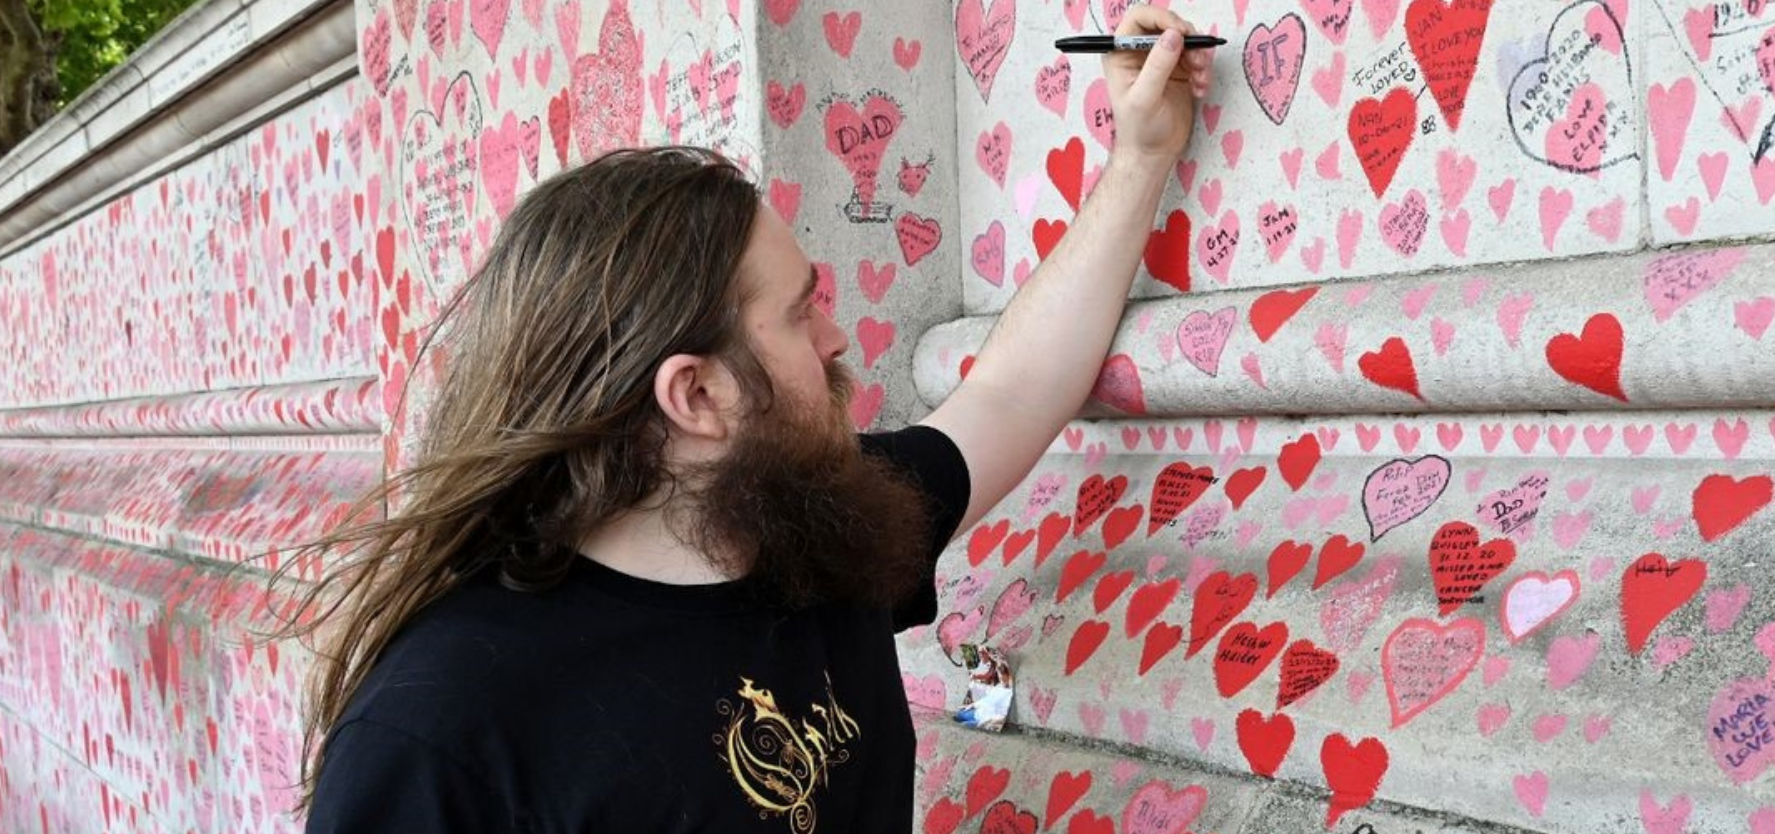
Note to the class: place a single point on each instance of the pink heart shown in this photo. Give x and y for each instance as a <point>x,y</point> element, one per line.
<point>1492,718</point>
<point>1329,82</point>
<point>984,38</point>
<point>1013,602</point>
<point>1277,227</point>
<point>1202,336</point>
<point>1531,791</point>
<point>1671,819</point>
<point>1331,16</point>
<point>1291,165</point>
<point>1380,15</point>
<point>1354,605</point>
<point>1217,244</point>
<point>1670,650</point>
<point>1454,231</point>
<point>1052,84</point>
<point>859,137</point>
<point>1099,114</point>
<point>1349,232</point>
<point>955,628</point>
<point>1500,197</point>
<point>1578,142</point>
<point>1568,658</point>
<point>1556,203</point>
<point>1203,728</point>
<point>1454,173</point>
<point>1670,109</point>
<point>841,31</point>
<point>1605,220</point>
<point>1273,59</point>
<point>1674,280</point>
<point>1754,316</point>
<point>989,254</point>
<point>1423,661</point>
<point>1249,363</point>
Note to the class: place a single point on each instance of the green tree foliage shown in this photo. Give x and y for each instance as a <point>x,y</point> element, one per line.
<point>52,50</point>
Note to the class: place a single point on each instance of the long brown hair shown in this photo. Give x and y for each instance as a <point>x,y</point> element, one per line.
<point>545,425</point>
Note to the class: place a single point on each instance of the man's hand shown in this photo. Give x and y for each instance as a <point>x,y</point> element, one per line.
<point>1154,93</point>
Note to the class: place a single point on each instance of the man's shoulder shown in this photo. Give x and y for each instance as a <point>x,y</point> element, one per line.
<point>467,656</point>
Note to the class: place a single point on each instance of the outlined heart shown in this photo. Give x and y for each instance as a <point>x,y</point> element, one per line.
<point>1423,661</point>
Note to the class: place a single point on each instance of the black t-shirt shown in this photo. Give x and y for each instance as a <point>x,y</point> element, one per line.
<point>613,703</point>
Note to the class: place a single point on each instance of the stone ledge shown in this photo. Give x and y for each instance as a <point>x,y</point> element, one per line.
<point>1241,352</point>
<point>335,406</point>
<point>166,99</point>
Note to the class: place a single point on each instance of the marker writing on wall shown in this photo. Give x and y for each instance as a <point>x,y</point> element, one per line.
<point>1108,43</point>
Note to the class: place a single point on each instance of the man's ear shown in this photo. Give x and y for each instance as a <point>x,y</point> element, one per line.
<point>697,394</point>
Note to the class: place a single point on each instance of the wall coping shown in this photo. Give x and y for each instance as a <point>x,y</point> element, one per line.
<point>218,70</point>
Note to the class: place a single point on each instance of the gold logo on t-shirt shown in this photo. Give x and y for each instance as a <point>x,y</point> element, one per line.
<point>777,761</point>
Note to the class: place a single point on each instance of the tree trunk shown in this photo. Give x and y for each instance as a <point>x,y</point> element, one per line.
<point>28,86</point>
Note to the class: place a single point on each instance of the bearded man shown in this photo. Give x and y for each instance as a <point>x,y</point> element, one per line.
<point>647,578</point>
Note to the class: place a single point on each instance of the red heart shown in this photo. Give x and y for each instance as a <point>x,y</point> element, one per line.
<point>1219,600</point>
<point>1352,771</point>
<point>1006,818</point>
<point>1592,359</point>
<point>1015,545</point>
<point>985,539</point>
<point>1177,487</point>
<point>1047,234</point>
<point>1445,40</point>
<point>1286,561</point>
<point>967,364</point>
<point>1118,385</point>
<point>1391,367</point>
<point>1120,524</point>
<point>985,785</point>
<point>1167,251</point>
<point>1159,642</point>
<point>1380,131</point>
<point>1244,652</point>
<point>561,123</point>
<point>1087,822</point>
<point>1722,503</point>
<point>1066,168</point>
<point>1049,534</point>
<point>1065,791</point>
<point>1149,602</point>
<point>1304,668</point>
<point>943,818</point>
<point>1110,588</point>
<point>1298,459</point>
<point>1652,589</point>
<point>1273,309</point>
<point>1460,566</point>
<point>1096,496</point>
<point>1265,742</point>
<point>1337,555</point>
<point>1243,482</point>
<point>1078,568</point>
<point>1085,640</point>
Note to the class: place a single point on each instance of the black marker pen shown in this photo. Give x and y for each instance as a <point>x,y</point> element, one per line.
<point>1109,43</point>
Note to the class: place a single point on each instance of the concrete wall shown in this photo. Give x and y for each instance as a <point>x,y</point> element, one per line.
<point>1445,392</point>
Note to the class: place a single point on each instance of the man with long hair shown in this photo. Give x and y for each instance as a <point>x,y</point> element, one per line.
<point>647,577</point>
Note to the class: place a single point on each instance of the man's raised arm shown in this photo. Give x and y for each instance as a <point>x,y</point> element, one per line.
<point>1046,349</point>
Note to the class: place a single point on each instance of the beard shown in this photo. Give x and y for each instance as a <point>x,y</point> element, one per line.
<point>806,517</point>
